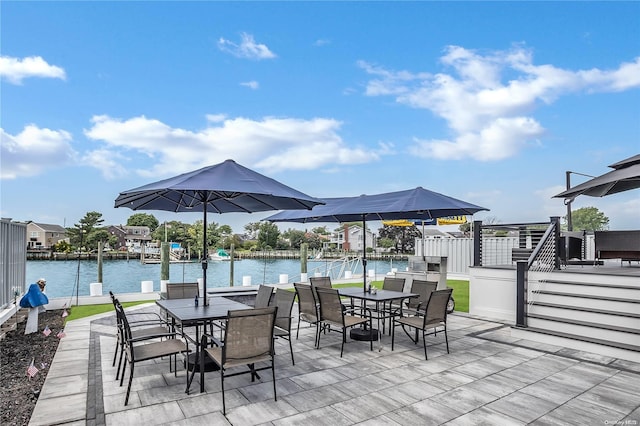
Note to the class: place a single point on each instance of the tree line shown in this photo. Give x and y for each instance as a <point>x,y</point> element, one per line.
<point>90,231</point>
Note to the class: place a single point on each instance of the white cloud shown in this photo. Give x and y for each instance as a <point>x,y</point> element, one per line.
<point>109,162</point>
<point>251,84</point>
<point>216,118</point>
<point>247,48</point>
<point>499,140</point>
<point>14,70</point>
<point>273,144</point>
<point>321,42</point>
<point>33,151</point>
<point>487,99</point>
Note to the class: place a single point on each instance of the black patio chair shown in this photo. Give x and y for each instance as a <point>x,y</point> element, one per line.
<point>283,300</point>
<point>248,340</point>
<point>433,316</point>
<point>139,349</point>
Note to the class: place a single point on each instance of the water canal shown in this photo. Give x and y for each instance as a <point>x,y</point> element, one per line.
<point>125,276</point>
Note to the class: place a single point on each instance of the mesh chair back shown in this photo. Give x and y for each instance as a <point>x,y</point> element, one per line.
<point>264,296</point>
<point>248,335</point>
<point>283,300</point>
<point>436,310</point>
<point>330,305</point>
<point>424,289</point>
<point>320,282</point>
<point>306,302</point>
<point>393,284</point>
<point>123,324</point>
<point>182,290</point>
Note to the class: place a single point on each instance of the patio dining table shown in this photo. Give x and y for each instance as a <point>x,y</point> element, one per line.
<point>378,297</point>
<point>185,311</point>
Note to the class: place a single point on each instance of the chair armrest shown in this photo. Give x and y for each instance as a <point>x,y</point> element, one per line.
<point>151,336</point>
<point>205,337</point>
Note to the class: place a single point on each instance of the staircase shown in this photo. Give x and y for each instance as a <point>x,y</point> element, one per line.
<point>593,312</point>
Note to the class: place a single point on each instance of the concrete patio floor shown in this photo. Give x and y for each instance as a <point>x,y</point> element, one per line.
<point>488,378</point>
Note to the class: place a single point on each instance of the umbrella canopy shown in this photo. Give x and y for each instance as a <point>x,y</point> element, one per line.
<point>625,176</point>
<point>226,187</point>
<point>417,203</point>
<point>222,188</point>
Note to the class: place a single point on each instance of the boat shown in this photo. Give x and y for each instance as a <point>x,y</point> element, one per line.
<point>220,254</point>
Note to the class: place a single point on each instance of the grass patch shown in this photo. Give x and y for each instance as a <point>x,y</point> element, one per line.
<point>82,311</point>
<point>460,292</point>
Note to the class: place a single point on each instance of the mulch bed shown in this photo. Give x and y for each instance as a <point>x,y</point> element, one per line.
<point>19,392</point>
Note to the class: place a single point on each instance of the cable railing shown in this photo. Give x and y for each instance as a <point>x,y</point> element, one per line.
<point>543,259</point>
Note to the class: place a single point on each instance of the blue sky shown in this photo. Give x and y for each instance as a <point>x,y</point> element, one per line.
<point>488,102</point>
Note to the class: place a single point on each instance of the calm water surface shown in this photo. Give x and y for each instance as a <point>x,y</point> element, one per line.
<point>122,276</point>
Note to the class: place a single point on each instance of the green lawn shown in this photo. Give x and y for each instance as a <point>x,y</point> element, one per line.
<point>460,294</point>
<point>82,311</point>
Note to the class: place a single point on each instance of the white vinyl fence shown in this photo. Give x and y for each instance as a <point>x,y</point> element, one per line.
<point>459,251</point>
<point>13,260</point>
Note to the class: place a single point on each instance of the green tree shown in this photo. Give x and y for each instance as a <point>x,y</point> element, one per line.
<point>62,247</point>
<point>294,237</point>
<point>176,231</point>
<point>320,230</point>
<point>386,242</point>
<point>268,234</point>
<point>589,219</point>
<point>97,235</point>
<point>252,229</point>
<point>316,240</point>
<point>465,228</point>
<point>232,239</point>
<point>404,237</point>
<point>143,219</point>
<point>79,234</point>
<point>195,236</point>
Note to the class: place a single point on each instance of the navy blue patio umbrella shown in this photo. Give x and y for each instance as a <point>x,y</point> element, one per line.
<point>416,204</point>
<point>624,177</point>
<point>226,187</point>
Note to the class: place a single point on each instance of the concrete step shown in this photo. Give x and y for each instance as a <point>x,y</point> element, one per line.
<point>589,289</point>
<point>592,315</point>
<point>588,301</point>
<point>615,335</point>
<point>621,351</point>
<point>587,278</point>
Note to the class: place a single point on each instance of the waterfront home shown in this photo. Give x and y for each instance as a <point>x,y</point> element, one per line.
<point>131,237</point>
<point>43,236</point>
<point>351,238</point>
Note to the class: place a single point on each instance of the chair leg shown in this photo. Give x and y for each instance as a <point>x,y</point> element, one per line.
<point>115,353</point>
<point>224,407</point>
<point>344,337</point>
<point>124,368</point>
<point>293,362</point>
<point>393,333</point>
<point>273,375</point>
<point>126,398</point>
<point>371,329</point>
<point>446,339</point>
<point>120,365</point>
<point>424,343</point>
<point>201,367</point>
<point>298,330</point>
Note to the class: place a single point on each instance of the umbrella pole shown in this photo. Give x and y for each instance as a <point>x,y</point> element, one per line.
<point>364,253</point>
<point>204,249</point>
